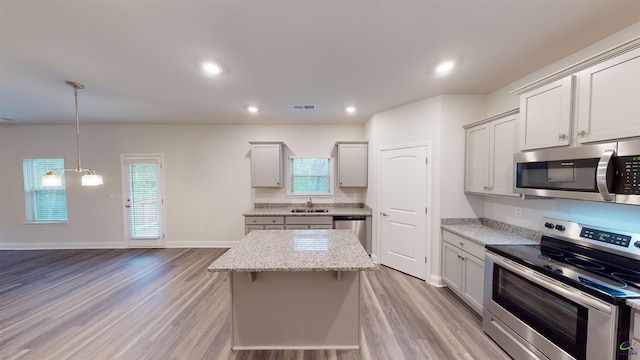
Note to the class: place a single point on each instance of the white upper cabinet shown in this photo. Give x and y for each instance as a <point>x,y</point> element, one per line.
<point>477,159</point>
<point>608,98</point>
<point>267,164</point>
<point>490,145</point>
<point>352,164</point>
<point>546,115</point>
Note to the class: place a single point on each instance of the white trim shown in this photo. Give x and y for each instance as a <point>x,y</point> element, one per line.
<point>61,246</point>
<point>429,193</point>
<point>437,281</point>
<point>581,65</point>
<point>128,158</point>
<point>201,244</point>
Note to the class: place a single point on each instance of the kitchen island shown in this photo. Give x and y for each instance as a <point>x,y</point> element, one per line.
<point>295,289</point>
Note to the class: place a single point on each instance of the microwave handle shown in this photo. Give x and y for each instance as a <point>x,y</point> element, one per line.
<point>601,174</point>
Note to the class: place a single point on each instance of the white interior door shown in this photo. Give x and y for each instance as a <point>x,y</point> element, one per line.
<point>403,201</point>
<point>143,200</point>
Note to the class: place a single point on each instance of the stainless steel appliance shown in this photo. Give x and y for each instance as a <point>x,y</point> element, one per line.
<point>565,297</point>
<point>605,172</point>
<point>355,223</point>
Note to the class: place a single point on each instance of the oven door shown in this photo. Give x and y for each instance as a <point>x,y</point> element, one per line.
<point>533,316</point>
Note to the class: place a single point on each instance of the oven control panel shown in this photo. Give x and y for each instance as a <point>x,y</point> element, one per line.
<point>605,237</point>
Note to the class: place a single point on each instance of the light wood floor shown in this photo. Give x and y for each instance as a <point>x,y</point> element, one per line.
<point>163,304</point>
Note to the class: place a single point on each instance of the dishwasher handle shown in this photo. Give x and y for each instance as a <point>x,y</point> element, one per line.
<point>349,218</point>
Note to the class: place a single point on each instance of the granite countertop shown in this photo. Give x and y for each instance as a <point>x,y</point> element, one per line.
<point>332,211</point>
<point>486,235</point>
<point>634,303</point>
<point>295,250</point>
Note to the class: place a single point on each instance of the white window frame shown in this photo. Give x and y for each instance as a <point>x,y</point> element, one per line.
<point>330,176</point>
<point>30,206</point>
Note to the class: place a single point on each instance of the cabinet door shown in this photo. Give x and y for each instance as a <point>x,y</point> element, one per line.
<point>352,165</point>
<point>452,267</point>
<point>266,165</point>
<point>274,227</point>
<point>504,143</point>
<point>473,281</point>
<point>609,99</point>
<point>477,159</point>
<point>320,226</point>
<point>545,115</point>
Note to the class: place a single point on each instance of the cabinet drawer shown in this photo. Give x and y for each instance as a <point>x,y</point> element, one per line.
<point>467,245</point>
<point>309,220</point>
<point>263,220</point>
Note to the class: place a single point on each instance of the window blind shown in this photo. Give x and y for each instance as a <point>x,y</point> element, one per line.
<point>43,204</point>
<point>143,201</point>
<point>310,176</point>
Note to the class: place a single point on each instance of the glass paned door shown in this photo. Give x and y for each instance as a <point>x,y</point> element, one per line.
<point>143,200</point>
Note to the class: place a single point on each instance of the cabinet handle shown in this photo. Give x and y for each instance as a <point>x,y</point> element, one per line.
<point>462,258</point>
<point>582,133</point>
<point>254,221</point>
<point>273,221</point>
<point>562,136</point>
<point>459,257</point>
<point>490,188</point>
<point>485,187</point>
<point>461,243</point>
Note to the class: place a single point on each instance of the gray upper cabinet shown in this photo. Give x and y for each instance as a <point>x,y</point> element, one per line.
<point>545,115</point>
<point>490,145</point>
<point>352,163</point>
<point>267,164</point>
<point>609,99</point>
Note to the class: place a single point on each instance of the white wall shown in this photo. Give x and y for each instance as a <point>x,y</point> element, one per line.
<point>207,179</point>
<point>623,217</point>
<point>437,122</point>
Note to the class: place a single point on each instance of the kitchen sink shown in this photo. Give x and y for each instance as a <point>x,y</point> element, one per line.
<point>309,210</point>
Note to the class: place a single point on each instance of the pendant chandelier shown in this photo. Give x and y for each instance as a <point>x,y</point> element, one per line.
<point>90,177</point>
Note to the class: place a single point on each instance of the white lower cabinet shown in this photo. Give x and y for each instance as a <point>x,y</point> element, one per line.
<point>263,223</point>
<point>309,222</point>
<point>463,268</point>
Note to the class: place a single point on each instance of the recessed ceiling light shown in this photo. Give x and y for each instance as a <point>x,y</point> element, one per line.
<point>444,68</point>
<point>211,69</point>
<point>252,109</point>
<point>350,109</point>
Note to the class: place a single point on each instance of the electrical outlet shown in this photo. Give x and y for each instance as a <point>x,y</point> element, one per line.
<point>519,212</point>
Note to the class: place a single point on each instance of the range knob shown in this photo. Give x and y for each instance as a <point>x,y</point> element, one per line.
<point>548,225</point>
<point>637,244</point>
<point>561,228</point>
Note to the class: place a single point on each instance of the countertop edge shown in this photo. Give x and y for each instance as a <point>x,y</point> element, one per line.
<point>504,237</point>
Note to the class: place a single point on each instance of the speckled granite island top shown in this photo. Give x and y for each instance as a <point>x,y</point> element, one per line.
<point>634,303</point>
<point>486,235</point>
<point>295,250</point>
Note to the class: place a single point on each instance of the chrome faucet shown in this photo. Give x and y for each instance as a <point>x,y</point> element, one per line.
<point>309,203</point>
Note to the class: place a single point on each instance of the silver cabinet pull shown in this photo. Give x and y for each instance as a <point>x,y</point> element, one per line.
<point>582,133</point>
<point>562,136</point>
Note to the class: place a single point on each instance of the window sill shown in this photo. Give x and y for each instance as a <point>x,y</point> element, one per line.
<point>46,222</point>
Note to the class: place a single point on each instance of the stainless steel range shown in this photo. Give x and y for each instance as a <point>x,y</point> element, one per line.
<point>564,298</point>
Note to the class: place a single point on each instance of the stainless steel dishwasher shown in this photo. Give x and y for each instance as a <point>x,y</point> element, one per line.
<point>355,223</point>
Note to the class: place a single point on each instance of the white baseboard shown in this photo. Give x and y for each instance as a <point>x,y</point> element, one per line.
<point>201,244</point>
<point>436,280</point>
<point>60,246</point>
<point>111,245</point>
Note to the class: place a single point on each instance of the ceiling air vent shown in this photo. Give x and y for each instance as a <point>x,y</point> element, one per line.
<point>303,107</point>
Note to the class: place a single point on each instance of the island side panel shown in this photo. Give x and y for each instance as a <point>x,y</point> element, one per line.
<point>296,310</point>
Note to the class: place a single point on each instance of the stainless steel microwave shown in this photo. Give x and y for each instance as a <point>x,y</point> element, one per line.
<point>604,172</point>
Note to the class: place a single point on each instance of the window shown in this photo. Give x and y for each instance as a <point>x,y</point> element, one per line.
<point>43,204</point>
<point>310,176</point>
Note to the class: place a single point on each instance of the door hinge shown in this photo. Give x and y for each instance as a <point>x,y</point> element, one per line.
<point>426,210</point>
<point>426,160</point>
<point>163,236</point>
<point>425,259</point>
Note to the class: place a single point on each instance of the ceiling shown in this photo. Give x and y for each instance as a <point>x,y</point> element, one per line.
<point>140,59</point>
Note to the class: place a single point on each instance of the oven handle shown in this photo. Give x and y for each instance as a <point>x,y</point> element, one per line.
<point>601,174</point>
<point>549,284</point>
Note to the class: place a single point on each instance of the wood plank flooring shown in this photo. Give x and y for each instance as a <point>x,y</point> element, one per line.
<point>163,304</point>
